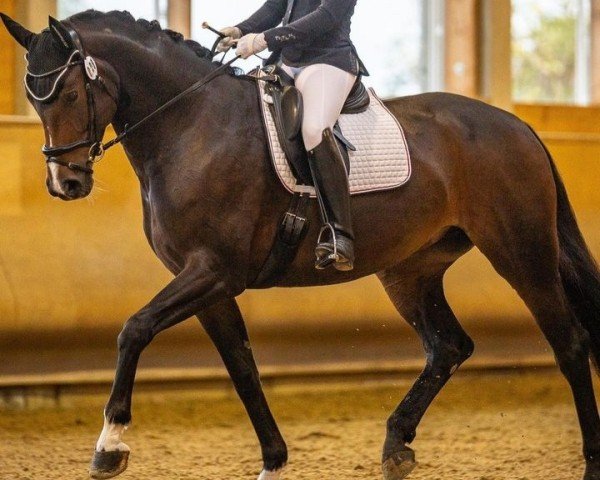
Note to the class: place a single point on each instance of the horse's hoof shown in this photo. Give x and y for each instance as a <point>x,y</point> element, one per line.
<point>108,464</point>
<point>398,465</point>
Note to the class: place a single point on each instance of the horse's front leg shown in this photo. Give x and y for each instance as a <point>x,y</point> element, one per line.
<point>195,288</point>
<point>224,324</point>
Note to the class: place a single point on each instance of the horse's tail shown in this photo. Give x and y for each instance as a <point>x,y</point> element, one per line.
<point>578,270</point>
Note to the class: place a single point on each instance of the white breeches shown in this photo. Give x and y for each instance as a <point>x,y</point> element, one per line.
<point>324,91</point>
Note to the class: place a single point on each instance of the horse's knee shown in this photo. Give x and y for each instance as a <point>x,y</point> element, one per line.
<point>135,335</point>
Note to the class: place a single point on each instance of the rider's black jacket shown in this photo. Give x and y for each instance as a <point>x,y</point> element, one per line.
<point>315,31</point>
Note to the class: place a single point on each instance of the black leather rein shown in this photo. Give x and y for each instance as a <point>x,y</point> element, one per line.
<point>90,74</point>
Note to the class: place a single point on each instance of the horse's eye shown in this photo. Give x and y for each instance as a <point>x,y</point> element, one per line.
<point>71,96</point>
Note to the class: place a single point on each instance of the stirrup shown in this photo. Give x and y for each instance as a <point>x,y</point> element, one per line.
<point>329,254</point>
<point>323,261</point>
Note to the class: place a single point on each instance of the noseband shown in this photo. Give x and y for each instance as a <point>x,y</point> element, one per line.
<point>90,76</point>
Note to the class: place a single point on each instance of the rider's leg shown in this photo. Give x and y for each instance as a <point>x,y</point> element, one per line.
<point>324,90</point>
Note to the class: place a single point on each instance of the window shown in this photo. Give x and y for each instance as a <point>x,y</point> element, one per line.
<point>400,41</point>
<point>222,14</point>
<point>150,10</point>
<point>551,51</point>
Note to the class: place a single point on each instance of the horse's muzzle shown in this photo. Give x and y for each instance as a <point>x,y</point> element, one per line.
<point>69,188</point>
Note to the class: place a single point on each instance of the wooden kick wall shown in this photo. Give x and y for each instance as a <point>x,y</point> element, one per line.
<point>86,266</point>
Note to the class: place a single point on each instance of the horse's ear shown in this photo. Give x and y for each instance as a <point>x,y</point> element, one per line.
<point>18,31</point>
<point>60,33</point>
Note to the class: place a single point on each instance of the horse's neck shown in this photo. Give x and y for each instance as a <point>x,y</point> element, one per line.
<point>148,79</point>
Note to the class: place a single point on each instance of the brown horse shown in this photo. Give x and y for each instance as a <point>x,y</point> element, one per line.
<point>211,204</point>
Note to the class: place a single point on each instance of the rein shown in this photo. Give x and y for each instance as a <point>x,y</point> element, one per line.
<point>200,83</point>
<point>90,74</point>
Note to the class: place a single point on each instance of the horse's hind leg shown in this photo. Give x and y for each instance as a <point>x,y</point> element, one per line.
<point>416,289</point>
<point>570,344</point>
<point>225,326</point>
<point>530,265</point>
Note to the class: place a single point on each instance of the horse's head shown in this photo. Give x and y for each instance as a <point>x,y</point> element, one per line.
<point>76,97</point>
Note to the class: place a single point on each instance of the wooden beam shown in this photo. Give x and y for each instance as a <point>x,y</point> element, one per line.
<point>462,47</point>
<point>595,52</point>
<point>32,14</point>
<point>496,64</point>
<point>8,49</point>
<point>180,16</point>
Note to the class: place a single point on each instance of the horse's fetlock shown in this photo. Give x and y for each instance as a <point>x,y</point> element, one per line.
<point>119,418</point>
<point>275,457</point>
<point>397,433</point>
<point>122,418</point>
<point>117,415</point>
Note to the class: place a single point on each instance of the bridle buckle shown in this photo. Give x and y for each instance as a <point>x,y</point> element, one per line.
<point>96,152</point>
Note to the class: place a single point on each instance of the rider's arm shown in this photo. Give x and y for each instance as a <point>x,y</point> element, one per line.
<point>325,18</point>
<point>266,17</point>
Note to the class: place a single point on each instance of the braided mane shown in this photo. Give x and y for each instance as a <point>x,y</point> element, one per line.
<point>147,26</point>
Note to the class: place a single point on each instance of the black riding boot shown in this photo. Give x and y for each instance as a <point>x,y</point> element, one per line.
<point>336,240</point>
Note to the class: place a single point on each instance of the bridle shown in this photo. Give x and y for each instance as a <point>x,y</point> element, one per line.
<point>91,75</point>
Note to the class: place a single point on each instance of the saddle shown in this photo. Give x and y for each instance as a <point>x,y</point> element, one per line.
<point>381,160</point>
<point>286,107</point>
<point>285,103</point>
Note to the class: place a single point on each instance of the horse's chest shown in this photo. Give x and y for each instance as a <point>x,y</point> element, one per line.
<point>174,229</point>
<point>159,236</point>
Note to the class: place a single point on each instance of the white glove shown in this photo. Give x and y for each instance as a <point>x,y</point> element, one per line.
<point>231,35</point>
<point>250,44</point>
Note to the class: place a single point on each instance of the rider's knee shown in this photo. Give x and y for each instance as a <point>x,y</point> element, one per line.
<point>312,132</point>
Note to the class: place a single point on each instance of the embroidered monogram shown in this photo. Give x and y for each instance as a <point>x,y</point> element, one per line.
<point>285,38</point>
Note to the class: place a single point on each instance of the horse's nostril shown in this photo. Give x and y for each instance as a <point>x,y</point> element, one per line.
<point>71,187</point>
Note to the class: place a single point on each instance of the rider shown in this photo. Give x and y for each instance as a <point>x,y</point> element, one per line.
<point>316,50</point>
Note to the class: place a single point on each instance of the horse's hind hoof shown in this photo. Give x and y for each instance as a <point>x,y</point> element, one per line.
<point>398,465</point>
<point>108,464</point>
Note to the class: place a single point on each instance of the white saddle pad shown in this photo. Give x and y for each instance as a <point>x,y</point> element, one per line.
<point>381,160</point>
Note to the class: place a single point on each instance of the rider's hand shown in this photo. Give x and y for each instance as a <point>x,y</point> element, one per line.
<point>231,35</point>
<point>250,44</point>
